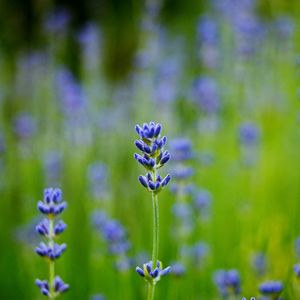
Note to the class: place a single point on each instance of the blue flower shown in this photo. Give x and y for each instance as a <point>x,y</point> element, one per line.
<point>153,156</point>
<point>206,94</point>
<point>271,288</point>
<point>59,286</point>
<point>297,270</point>
<point>248,134</point>
<point>181,149</point>
<point>52,203</point>
<point>228,282</point>
<point>51,251</point>
<point>178,269</point>
<point>51,206</point>
<point>153,275</point>
<point>259,263</point>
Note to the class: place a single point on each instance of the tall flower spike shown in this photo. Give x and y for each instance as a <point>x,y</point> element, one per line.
<point>51,206</point>
<point>152,157</point>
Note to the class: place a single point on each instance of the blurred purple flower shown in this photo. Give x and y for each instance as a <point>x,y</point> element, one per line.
<point>25,125</point>
<point>207,30</point>
<point>98,179</point>
<point>228,282</point>
<point>178,269</point>
<point>259,263</point>
<point>285,27</point>
<point>57,21</point>
<point>248,134</point>
<point>52,166</point>
<point>206,94</point>
<point>202,202</point>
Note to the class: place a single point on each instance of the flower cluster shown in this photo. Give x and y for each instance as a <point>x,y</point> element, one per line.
<point>59,286</point>
<point>271,289</point>
<point>115,236</point>
<point>153,156</point>
<point>228,282</point>
<point>51,206</point>
<point>153,275</point>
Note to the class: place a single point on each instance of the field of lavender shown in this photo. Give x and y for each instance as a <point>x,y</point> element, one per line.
<point>77,202</point>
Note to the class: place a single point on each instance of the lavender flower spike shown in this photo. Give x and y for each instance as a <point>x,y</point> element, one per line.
<point>152,157</point>
<point>51,206</point>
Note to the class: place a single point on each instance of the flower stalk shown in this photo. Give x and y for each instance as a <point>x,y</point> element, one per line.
<point>152,158</point>
<point>51,206</point>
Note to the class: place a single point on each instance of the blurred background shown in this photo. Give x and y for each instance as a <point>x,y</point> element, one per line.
<point>223,79</point>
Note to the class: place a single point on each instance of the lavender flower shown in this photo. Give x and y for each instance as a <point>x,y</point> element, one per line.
<point>115,237</point>
<point>181,153</point>
<point>57,21</point>
<point>178,269</point>
<point>271,289</point>
<point>228,282</point>
<point>248,134</point>
<point>206,95</point>
<point>52,165</point>
<point>181,148</point>
<point>297,270</point>
<point>199,251</point>
<point>98,180</point>
<point>207,34</point>
<point>153,156</point>
<point>24,125</point>
<point>51,206</point>
<point>207,30</point>
<point>259,263</point>
<point>202,202</point>
<point>151,274</point>
<point>166,83</point>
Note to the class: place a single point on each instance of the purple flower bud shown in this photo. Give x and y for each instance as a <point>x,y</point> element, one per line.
<point>145,127</point>
<point>178,269</point>
<point>154,273</point>
<point>143,181</point>
<point>151,185</point>
<point>59,285</point>
<point>139,145</point>
<point>157,185</point>
<point>59,227</point>
<point>43,227</point>
<point>139,158</point>
<point>147,149</point>
<point>140,271</point>
<point>165,271</point>
<point>166,180</point>
<point>297,270</point>
<point>165,158</point>
<point>157,130</point>
<point>138,129</point>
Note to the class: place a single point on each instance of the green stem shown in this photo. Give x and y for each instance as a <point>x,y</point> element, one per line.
<point>51,262</point>
<point>155,229</point>
<point>151,288</point>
